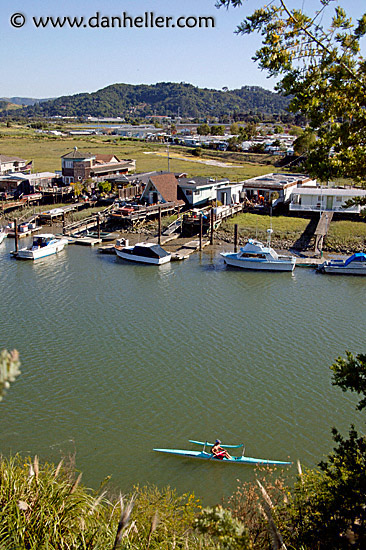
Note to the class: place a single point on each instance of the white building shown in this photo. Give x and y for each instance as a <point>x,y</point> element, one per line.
<point>8,165</point>
<point>325,199</point>
<point>199,190</point>
<point>261,188</point>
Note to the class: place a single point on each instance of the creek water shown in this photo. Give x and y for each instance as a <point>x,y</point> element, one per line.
<point>119,358</point>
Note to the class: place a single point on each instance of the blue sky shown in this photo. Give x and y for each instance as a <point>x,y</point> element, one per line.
<point>52,62</point>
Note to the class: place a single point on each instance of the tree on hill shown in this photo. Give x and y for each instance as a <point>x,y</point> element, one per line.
<point>323,72</point>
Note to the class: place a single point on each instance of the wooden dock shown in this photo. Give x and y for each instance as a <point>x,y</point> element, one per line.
<point>308,262</point>
<point>187,249</point>
<point>87,241</point>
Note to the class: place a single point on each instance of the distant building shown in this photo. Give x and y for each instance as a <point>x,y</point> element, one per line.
<point>80,166</point>
<point>9,165</point>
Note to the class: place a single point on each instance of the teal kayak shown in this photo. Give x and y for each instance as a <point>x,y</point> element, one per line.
<point>208,456</point>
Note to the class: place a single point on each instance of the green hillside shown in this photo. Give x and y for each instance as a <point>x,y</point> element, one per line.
<point>164,98</point>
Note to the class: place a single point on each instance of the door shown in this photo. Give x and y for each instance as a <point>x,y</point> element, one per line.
<point>329,203</point>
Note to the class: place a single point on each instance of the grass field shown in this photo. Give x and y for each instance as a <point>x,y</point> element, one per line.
<point>46,152</point>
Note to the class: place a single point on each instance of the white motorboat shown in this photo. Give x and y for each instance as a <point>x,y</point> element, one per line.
<point>148,253</point>
<point>44,244</point>
<point>258,256</point>
<point>354,265</point>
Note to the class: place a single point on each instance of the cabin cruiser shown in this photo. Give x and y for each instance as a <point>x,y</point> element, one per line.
<point>258,256</point>
<point>148,253</point>
<point>43,245</point>
<point>354,265</point>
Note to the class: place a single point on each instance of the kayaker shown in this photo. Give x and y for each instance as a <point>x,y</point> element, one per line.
<point>218,451</point>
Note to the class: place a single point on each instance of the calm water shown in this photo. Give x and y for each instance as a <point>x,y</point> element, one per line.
<point>120,358</point>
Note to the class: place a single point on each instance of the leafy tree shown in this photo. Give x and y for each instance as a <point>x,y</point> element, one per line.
<point>304,143</point>
<point>323,72</point>
<point>105,187</point>
<point>350,374</point>
<point>203,130</point>
<point>234,128</point>
<point>217,130</point>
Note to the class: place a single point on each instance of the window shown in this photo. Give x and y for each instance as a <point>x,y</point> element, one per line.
<point>197,192</point>
<point>338,199</point>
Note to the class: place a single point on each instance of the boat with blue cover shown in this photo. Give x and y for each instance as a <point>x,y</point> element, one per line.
<point>354,265</point>
<point>207,455</point>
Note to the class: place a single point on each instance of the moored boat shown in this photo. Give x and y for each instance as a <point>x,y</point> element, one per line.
<point>44,244</point>
<point>204,455</point>
<point>148,253</point>
<point>258,256</point>
<point>354,265</point>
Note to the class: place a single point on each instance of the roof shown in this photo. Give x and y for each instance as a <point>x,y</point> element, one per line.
<point>105,158</point>
<point>167,186</point>
<point>200,181</point>
<point>331,191</point>
<point>4,158</point>
<point>77,155</point>
<point>276,181</point>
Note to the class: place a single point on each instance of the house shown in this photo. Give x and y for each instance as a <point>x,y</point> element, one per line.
<point>162,188</point>
<point>78,166</point>
<point>9,165</point>
<point>261,188</point>
<point>231,194</point>
<point>325,199</point>
<point>19,183</point>
<point>199,190</point>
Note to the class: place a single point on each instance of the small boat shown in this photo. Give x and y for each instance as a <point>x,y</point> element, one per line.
<point>204,455</point>
<point>44,244</point>
<point>148,253</point>
<point>258,256</point>
<point>354,265</point>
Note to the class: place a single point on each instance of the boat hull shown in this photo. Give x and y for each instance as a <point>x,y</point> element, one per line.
<point>200,455</point>
<point>340,270</point>
<point>232,260</point>
<point>29,254</point>
<point>141,259</point>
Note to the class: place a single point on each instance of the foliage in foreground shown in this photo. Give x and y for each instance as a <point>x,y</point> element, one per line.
<point>43,506</point>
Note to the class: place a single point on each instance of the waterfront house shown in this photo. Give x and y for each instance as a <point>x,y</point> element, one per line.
<point>261,188</point>
<point>162,188</point>
<point>23,184</point>
<point>10,165</point>
<point>199,190</point>
<point>79,166</point>
<point>325,199</point>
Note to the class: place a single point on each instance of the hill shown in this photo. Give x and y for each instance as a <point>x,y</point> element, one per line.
<point>164,98</point>
<point>22,100</point>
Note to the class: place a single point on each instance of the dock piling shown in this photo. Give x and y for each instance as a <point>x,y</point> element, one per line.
<point>16,236</point>
<point>236,237</point>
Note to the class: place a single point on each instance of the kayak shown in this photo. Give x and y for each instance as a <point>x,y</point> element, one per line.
<point>203,455</point>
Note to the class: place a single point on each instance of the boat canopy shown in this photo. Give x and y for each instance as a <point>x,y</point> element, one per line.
<point>357,257</point>
<point>153,251</point>
<point>256,247</point>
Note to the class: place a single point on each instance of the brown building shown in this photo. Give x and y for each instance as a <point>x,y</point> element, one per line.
<point>80,166</point>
